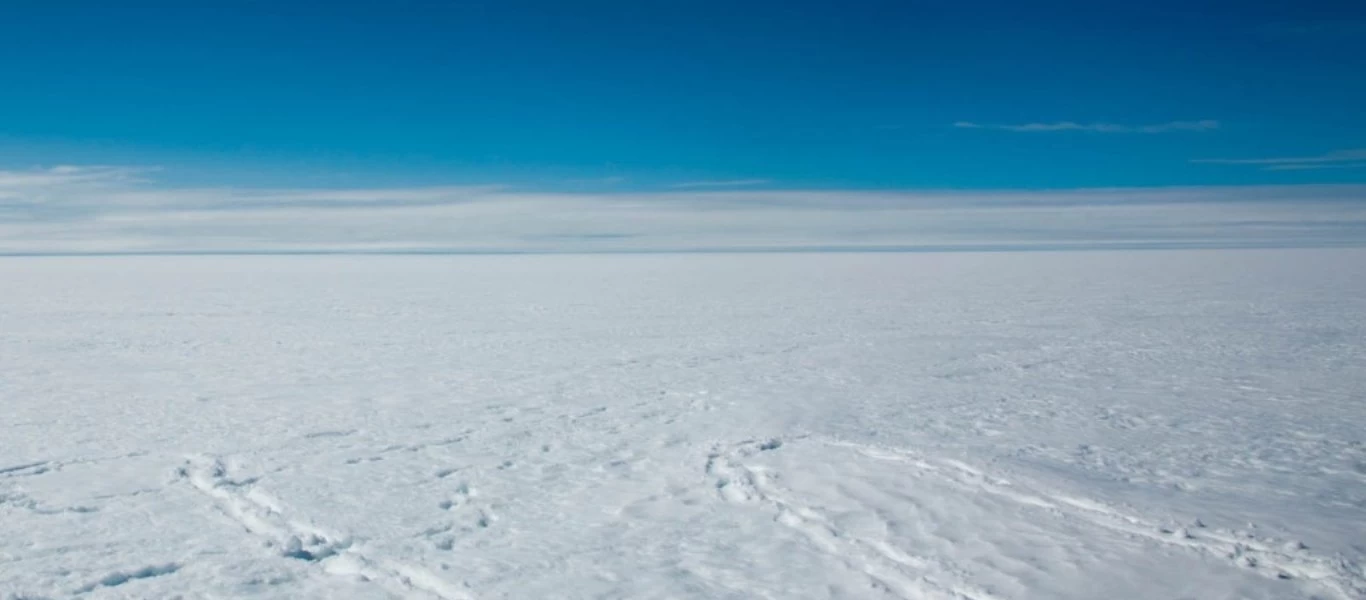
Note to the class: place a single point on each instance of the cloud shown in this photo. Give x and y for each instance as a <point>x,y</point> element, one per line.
<point>1171,126</point>
<point>108,209</point>
<point>1304,167</point>
<point>721,183</point>
<point>609,180</point>
<point>1340,159</point>
<point>67,176</point>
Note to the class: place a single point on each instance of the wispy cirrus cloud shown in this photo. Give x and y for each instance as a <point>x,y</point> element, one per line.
<point>107,209</point>
<point>1168,127</point>
<point>607,180</point>
<point>721,183</point>
<point>1303,167</point>
<point>1340,159</point>
<point>68,176</point>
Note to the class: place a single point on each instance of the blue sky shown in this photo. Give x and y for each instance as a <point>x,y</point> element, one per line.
<point>843,94</point>
<point>174,98</point>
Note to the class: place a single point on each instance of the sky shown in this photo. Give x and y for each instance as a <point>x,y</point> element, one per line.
<point>677,125</point>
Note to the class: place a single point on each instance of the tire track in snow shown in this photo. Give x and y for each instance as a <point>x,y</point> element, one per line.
<point>263,516</point>
<point>888,568</point>
<point>1274,560</point>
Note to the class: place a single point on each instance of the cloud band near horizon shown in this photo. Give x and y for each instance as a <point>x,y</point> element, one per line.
<point>110,209</point>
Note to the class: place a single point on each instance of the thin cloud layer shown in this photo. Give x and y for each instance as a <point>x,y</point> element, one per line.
<point>1171,126</point>
<point>1341,159</point>
<point>721,183</point>
<point>104,209</point>
<point>28,184</point>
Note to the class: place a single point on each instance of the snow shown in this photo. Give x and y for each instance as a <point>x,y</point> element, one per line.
<point>1141,424</point>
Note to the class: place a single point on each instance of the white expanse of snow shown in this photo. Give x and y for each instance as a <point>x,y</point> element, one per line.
<point>1158,424</point>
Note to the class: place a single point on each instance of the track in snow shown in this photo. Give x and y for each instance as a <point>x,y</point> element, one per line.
<point>1271,558</point>
<point>263,516</point>
<point>888,569</point>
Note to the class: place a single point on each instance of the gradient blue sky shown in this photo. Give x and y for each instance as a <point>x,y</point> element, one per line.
<point>625,126</point>
<point>647,95</point>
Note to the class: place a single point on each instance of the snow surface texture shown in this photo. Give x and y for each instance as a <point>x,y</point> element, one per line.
<point>1162,424</point>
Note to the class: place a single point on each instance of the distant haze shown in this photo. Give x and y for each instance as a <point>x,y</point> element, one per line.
<point>103,209</point>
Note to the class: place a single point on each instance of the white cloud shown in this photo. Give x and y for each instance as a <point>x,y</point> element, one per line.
<point>79,209</point>
<point>1340,159</point>
<point>1309,167</point>
<point>721,183</point>
<point>1202,125</point>
<point>65,177</point>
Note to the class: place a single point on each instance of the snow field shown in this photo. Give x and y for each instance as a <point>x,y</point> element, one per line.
<point>1157,424</point>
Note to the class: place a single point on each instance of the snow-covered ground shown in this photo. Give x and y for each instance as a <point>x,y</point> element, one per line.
<point>1156,424</point>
